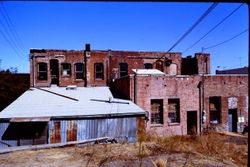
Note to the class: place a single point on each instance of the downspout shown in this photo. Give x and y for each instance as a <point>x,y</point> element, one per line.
<point>85,68</point>
<point>33,70</point>
<point>135,87</point>
<point>200,112</point>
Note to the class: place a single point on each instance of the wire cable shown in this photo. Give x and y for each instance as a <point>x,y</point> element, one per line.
<point>11,26</point>
<point>194,25</point>
<point>9,32</point>
<point>214,27</point>
<point>212,46</point>
<point>10,43</point>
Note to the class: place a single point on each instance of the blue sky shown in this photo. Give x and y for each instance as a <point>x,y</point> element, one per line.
<point>133,26</point>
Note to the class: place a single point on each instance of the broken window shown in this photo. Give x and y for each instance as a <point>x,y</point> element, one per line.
<point>148,66</point>
<point>174,110</point>
<point>123,69</point>
<point>214,109</point>
<point>157,111</point>
<point>42,71</point>
<point>79,70</point>
<point>66,69</point>
<point>98,71</point>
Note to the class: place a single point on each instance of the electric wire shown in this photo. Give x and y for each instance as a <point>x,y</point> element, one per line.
<point>11,26</point>
<point>214,27</point>
<point>194,25</point>
<point>212,46</point>
<point>10,43</point>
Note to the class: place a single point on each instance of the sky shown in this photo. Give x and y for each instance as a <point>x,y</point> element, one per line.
<point>131,26</point>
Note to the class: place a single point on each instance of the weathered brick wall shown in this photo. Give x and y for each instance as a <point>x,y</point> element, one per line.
<point>227,86</point>
<point>167,87</point>
<point>186,89</point>
<point>62,56</point>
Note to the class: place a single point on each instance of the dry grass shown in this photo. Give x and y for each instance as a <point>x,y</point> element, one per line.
<point>211,149</point>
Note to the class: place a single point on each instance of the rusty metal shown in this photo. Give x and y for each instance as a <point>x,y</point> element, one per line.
<point>71,131</point>
<point>55,128</point>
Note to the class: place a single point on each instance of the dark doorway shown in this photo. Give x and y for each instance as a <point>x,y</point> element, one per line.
<point>192,122</point>
<point>232,120</point>
<point>54,71</point>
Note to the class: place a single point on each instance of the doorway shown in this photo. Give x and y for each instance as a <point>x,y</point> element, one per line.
<point>191,122</point>
<point>54,71</point>
<point>232,120</point>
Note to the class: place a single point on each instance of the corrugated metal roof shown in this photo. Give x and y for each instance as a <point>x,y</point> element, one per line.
<point>148,72</point>
<point>55,102</point>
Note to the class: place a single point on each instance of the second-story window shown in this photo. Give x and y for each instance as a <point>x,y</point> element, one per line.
<point>79,70</point>
<point>148,66</point>
<point>99,71</point>
<point>123,69</point>
<point>66,69</point>
<point>42,71</point>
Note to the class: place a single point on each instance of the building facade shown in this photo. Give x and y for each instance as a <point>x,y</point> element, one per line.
<point>181,98</point>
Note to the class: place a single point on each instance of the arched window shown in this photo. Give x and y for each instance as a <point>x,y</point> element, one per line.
<point>42,71</point>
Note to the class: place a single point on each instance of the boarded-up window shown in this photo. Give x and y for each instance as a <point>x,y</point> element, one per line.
<point>173,69</point>
<point>232,102</point>
<point>173,110</point>
<point>123,69</point>
<point>214,109</point>
<point>66,69</point>
<point>98,71</point>
<point>42,71</point>
<point>79,71</point>
<point>157,111</point>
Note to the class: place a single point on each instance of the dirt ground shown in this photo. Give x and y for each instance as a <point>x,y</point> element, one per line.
<point>208,150</point>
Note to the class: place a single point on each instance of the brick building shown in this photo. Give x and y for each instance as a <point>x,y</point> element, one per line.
<point>181,96</point>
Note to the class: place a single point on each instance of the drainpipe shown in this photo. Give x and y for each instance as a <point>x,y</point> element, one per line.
<point>135,87</point>
<point>85,68</point>
<point>200,110</point>
<point>32,57</point>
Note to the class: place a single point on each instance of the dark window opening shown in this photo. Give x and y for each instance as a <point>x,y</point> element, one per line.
<point>66,69</point>
<point>42,71</point>
<point>79,70</point>
<point>157,111</point>
<point>214,109</point>
<point>148,66</point>
<point>99,71</point>
<point>123,69</point>
<point>174,110</point>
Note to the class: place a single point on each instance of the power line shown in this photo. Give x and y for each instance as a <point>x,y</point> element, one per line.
<point>214,27</point>
<point>194,25</point>
<point>10,43</point>
<point>11,26</point>
<point>226,40</point>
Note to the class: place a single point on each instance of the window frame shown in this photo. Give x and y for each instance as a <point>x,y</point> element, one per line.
<point>123,69</point>
<point>41,73</point>
<point>68,70</point>
<point>156,117</point>
<point>79,72</point>
<point>99,75</point>
<point>174,105</point>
